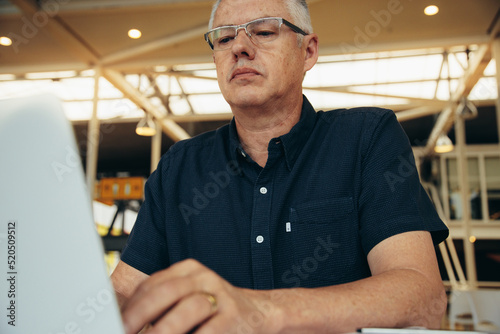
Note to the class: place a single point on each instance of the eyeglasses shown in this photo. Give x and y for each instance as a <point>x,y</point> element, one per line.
<point>259,31</point>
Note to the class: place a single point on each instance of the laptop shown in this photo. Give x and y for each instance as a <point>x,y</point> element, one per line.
<point>53,277</point>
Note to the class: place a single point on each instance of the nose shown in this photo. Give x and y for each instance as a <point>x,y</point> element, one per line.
<point>244,30</point>
<point>243,45</point>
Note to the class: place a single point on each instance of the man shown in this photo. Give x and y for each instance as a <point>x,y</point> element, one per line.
<point>286,220</point>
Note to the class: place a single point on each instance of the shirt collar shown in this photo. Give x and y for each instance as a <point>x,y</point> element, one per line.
<point>293,141</point>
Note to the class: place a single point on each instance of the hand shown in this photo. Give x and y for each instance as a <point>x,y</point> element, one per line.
<point>190,296</point>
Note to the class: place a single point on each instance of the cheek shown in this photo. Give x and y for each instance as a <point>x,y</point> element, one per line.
<point>290,69</point>
<point>220,64</point>
<point>221,73</point>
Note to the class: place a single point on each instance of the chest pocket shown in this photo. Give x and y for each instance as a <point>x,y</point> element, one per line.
<point>325,240</point>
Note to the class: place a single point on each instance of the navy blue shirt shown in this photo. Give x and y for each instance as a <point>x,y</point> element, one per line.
<point>335,186</point>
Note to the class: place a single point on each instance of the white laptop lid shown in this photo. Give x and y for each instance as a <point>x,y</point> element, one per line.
<point>53,276</point>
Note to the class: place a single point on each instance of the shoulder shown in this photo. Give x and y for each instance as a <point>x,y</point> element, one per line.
<point>355,114</point>
<point>362,127</point>
<point>361,121</point>
<point>201,142</point>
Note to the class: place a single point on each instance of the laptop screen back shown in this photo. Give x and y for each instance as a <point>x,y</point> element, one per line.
<point>54,278</point>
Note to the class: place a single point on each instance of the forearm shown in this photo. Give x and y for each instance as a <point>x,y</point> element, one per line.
<point>125,280</point>
<point>398,298</point>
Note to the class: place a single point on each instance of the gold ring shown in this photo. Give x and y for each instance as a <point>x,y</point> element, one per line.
<point>213,302</point>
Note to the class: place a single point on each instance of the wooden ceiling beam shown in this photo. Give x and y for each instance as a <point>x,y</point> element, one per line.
<point>480,60</point>
<point>46,17</point>
<point>196,32</point>
<point>170,128</point>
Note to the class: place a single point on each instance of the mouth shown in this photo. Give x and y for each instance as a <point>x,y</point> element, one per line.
<point>244,72</point>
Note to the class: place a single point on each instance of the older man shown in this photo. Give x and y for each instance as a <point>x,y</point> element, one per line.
<point>287,220</point>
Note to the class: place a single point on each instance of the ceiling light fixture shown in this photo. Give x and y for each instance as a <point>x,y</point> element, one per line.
<point>431,10</point>
<point>146,127</point>
<point>5,41</point>
<point>466,109</point>
<point>443,144</point>
<point>134,33</point>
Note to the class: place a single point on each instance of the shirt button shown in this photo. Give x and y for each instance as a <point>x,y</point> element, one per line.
<point>263,190</point>
<point>260,239</point>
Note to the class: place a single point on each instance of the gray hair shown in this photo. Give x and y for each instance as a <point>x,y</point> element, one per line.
<point>297,9</point>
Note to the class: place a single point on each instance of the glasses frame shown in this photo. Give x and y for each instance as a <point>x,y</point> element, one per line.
<point>244,26</point>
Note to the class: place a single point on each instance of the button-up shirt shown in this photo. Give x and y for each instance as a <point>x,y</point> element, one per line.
<point>333,187</point>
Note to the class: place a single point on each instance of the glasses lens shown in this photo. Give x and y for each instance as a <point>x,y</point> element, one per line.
<point>265,30</point>
<point>221,38</point>
<point>260,31</point>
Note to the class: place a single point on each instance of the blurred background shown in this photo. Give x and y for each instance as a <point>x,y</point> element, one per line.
<point>136,76</point>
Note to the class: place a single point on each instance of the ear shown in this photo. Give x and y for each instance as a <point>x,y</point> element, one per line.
<point>311,51</point>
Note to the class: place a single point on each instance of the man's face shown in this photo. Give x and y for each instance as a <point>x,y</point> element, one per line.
<point>252,75</point>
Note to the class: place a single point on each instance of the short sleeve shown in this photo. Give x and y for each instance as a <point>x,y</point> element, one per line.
<point>146,247</point>
<point>392,199</point>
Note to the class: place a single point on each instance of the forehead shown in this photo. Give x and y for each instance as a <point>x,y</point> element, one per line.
<point>242,11</point>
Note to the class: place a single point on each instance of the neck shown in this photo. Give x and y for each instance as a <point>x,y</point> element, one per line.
<point>258,126</point>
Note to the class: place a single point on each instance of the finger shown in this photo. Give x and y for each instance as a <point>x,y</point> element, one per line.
<point>186,314</point>
<point>220,324</point>
<point>179,269</point>
<point>183,269</point>
<point>191,274</point>
<point>153,300</point>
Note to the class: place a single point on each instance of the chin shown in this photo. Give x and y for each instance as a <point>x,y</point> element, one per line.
<point>246,98</point>
<point>246,103</point>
